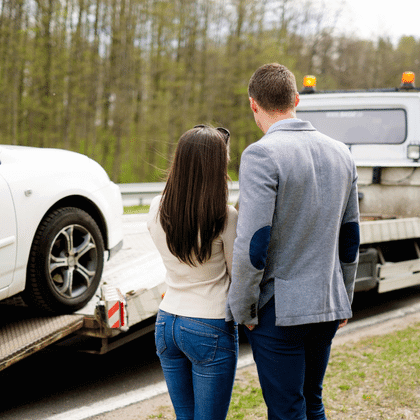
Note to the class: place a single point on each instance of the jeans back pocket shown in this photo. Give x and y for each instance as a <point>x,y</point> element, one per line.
<point>198,346</point>
<point>160,337</point>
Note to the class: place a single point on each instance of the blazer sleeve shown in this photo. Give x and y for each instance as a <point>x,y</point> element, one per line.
<point>349,239</point>
<point>258,181</point>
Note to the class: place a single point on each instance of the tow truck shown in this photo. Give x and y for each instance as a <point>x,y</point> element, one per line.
<point>381,127</point>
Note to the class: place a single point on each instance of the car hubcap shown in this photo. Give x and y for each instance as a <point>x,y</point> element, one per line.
<point>73,261</point>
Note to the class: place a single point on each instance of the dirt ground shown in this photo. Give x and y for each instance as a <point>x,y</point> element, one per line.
<point>161,404</point>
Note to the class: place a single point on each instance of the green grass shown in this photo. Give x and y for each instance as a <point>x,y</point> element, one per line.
<point>375,378</point>
<point>247,400</point>
<point>136,209</point>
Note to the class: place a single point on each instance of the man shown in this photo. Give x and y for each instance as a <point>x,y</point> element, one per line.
<point>296,251</point>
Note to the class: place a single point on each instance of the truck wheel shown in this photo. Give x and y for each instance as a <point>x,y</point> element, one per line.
<point>65,262</point>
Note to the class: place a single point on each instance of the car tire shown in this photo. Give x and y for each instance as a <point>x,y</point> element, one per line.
<point>65,262</point>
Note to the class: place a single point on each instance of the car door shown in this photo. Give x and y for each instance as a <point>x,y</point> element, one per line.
<point>8,235</point>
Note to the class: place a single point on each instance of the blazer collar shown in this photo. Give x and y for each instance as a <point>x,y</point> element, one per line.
<point>291,125</point>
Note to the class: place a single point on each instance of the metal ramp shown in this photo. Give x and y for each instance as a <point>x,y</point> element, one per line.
<point>22,333</point>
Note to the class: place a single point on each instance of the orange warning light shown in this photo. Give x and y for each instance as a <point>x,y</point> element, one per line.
<point>408,77</point>
<point>309,81</point>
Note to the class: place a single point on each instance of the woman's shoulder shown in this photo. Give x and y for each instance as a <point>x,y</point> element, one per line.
<point>154,209</point>
<point>155,200</point>
<point>155,203</point>
<point>232,210</point>
<point>232,215</point>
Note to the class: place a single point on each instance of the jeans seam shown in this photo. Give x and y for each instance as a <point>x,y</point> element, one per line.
<point>211,326</point>
<point>173,334</point>
<point>205,334</point>
<point>224,348</point>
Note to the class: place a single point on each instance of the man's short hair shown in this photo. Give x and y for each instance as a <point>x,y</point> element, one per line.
<point>274,88</point>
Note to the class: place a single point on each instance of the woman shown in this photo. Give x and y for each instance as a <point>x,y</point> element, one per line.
<point>194,229</point>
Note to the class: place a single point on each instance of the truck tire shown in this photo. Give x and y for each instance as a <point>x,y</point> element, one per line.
<point>65,262</point>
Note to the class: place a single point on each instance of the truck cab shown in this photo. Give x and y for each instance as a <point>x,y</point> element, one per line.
<point>381,127</point>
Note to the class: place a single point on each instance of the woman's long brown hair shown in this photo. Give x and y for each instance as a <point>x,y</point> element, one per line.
<point>193,210</point>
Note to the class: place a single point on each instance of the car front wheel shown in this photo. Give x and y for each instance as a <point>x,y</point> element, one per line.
<point>65,263</point>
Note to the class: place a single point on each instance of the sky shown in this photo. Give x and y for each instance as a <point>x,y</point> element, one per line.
<point>370,19</point>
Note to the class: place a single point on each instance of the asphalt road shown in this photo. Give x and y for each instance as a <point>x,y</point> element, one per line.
<point>53,382</point>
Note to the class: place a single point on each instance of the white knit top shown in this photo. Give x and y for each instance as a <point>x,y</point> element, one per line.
<point>200,291</point>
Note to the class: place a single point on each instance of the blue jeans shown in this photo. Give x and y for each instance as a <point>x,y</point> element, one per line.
<point>291,363</point>
<point>198,358</point>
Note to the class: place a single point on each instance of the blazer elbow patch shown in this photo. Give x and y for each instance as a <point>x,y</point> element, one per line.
<point>258,247</point>
<point>349,242</point>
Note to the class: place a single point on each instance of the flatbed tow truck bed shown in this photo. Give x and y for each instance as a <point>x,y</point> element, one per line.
<point>137,271</point>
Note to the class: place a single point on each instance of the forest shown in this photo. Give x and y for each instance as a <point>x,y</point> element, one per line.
<point>121,80</point>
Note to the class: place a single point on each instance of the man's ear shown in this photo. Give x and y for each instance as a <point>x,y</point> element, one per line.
<point>253,104</point>
<point>297,100</point>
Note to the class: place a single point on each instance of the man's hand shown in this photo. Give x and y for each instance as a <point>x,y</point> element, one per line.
<point>343,323</point>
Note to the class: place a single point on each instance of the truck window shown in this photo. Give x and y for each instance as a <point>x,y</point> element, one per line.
<point>361,126</point>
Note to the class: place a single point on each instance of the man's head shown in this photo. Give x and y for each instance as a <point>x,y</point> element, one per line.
<point>274,88</point>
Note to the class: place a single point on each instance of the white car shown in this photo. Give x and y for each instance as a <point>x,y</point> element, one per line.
<point>60,218</point>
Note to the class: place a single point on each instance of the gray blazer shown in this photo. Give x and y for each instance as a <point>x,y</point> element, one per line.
<point>298,228</point>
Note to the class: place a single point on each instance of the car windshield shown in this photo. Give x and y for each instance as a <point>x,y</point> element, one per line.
<point>367,126</point>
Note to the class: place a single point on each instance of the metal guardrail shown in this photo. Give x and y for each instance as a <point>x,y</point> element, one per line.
<point>143,193</point>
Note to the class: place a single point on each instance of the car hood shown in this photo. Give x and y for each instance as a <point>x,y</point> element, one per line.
<point>10,154</point>
<point>47,162</point>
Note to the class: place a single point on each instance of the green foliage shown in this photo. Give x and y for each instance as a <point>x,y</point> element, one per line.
<point>120,81</point>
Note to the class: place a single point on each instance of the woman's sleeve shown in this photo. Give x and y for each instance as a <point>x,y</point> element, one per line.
<point>228,237</point>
